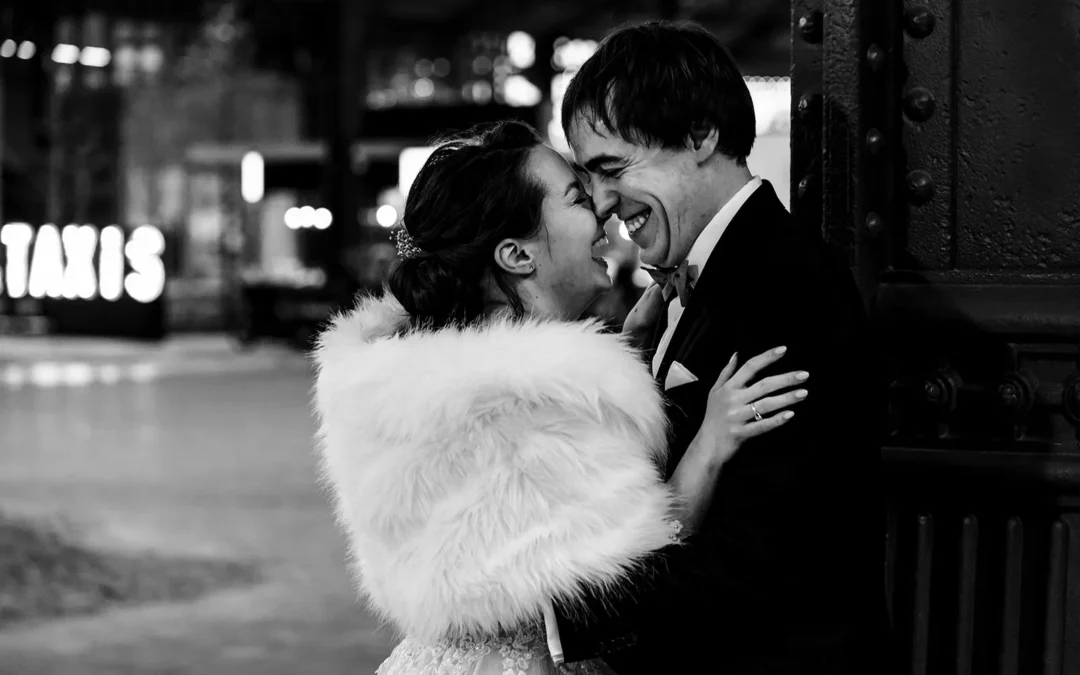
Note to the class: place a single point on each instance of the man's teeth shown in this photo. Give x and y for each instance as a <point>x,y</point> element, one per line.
<point>601,241</point>
<point>635,223</point>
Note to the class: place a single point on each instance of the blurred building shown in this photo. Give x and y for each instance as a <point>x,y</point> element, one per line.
<point>118,112</point>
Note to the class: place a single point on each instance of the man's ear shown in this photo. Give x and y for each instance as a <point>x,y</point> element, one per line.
<point>702,141</point>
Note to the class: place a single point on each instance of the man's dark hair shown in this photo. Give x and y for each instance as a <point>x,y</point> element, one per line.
<point>656,82</point>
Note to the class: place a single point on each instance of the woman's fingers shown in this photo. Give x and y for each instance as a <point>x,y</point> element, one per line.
<point>772,404</point>
<point>766,425</point>
<point>768,405</point>
<point>727,372</point>
<point>646,312</point>
<point>773,384</point>
<point>751,368</point>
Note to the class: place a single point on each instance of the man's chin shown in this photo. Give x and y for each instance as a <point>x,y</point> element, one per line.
<point>650,258</point>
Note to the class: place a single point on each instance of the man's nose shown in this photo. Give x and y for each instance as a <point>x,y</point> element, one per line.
<point>605,201</point>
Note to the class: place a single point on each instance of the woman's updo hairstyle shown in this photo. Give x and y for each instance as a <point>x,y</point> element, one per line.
<point>474,191</point>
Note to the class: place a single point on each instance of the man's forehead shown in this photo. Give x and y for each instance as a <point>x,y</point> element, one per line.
<point>588,144</point>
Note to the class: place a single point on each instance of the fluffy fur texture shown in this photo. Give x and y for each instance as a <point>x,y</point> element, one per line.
<point>480,473</point>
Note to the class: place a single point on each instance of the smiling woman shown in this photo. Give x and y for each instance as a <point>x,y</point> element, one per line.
<point>573,238</point>
<point>526,246</point>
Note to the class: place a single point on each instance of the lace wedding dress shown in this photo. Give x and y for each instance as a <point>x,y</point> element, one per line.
<point>523,654</point>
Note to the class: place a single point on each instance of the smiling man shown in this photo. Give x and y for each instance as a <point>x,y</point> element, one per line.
<point>785,572</point>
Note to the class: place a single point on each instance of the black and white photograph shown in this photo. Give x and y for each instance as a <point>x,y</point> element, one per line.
<point>550,337</point>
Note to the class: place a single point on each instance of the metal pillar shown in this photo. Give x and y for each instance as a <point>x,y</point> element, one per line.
<point>344,123</point>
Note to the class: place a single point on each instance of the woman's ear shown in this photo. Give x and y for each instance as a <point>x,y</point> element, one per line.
<point>514,257</point>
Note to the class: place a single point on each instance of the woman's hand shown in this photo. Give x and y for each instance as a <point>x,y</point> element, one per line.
<point>738,410</point>
<point>641,319</point>
<point>731,417</point>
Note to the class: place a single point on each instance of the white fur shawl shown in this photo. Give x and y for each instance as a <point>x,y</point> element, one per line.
<point>480,473</point>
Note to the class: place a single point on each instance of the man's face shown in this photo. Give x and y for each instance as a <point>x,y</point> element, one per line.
<point>653,190</point>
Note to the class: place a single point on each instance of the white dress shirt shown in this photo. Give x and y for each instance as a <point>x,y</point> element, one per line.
<point>698,256</point>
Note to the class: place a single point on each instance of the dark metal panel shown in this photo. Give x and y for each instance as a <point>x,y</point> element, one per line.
<point>856,122</point>
<point>1016,83</point>
<point>807,21</point>
<point>1014,579</point>
<point>945,139</point>
<point>928,134</point>
<point>920,622</point>
<point>1046,310</point>
<point>1054,650</point>
<point>969,561</point>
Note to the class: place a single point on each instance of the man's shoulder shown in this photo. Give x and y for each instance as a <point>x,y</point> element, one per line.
<point>764,233</point>
<point>794,254</point>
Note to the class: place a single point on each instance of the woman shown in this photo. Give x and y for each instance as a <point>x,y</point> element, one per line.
<point>487,454</point>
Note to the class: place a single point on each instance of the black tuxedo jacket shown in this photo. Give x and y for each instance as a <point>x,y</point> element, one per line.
<point>785,575</point>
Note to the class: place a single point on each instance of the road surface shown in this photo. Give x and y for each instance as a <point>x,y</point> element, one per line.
<point>196,453</point>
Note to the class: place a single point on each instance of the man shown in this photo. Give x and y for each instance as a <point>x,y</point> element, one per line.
<point>785,574</point>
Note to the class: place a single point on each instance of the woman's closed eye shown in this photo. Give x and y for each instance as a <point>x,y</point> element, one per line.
<point>584,199</point>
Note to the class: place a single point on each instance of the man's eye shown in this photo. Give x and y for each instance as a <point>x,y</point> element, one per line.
<point>610,174</point>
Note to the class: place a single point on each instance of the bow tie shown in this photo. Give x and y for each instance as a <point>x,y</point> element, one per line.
<point>675,280</point>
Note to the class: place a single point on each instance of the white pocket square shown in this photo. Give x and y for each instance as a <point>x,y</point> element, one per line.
<point>678,375</point>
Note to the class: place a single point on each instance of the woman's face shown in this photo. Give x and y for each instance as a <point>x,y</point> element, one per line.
<point>569,273</point>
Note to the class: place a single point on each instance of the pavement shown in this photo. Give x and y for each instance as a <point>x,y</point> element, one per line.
<point>61,361</point>
<point>211,456</point>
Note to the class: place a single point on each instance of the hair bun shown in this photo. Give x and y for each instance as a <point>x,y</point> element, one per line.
<point>473,191</point>
<point>432,292</point>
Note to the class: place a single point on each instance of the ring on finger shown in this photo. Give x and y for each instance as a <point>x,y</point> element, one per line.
<point>757,415</point>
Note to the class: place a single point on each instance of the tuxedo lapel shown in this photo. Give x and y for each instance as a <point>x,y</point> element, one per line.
<point>725,273</point>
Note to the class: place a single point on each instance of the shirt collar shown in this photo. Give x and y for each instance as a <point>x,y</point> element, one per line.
<point>707,240</point>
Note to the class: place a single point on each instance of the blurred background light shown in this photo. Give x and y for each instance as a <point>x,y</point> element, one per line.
<point>322,218</point>
<point>521,49</point>
<point>252,177</point>
<point>27,50</point>
<point>441,67</point>
<point>65,54</point>
<point>293,219</point>
<point>520,92</point>
<point>423,87</point>
<point>410,161</point>
<point>386,216</point>
<point>95,57</point>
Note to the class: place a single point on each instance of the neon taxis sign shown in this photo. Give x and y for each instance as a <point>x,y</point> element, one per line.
<point>79,262</point>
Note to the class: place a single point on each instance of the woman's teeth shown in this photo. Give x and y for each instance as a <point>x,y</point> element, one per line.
<point>635,223</point>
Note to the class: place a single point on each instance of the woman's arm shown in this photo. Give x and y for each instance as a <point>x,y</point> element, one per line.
<point>694,480</point>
